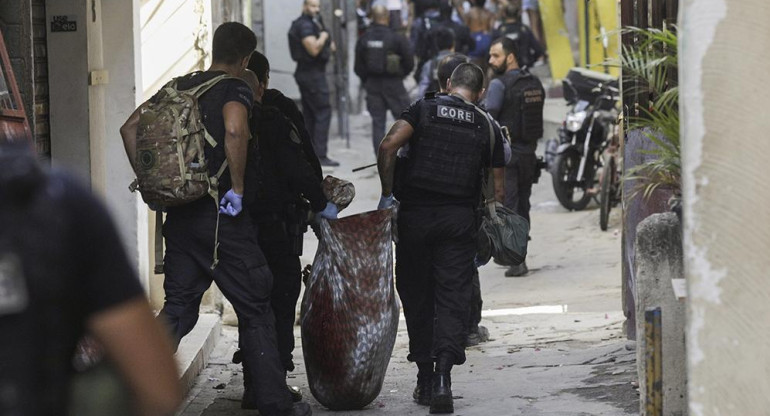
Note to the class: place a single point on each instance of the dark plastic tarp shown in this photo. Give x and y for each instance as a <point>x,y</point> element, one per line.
<point>349,314</point>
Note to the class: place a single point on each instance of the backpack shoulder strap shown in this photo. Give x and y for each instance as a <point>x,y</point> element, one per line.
<point>201,89</point>
<point>488,188</point>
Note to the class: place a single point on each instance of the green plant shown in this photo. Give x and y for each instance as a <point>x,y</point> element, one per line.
<point>650,69</point>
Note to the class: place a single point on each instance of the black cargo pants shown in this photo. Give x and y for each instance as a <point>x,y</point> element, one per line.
<point>243,277</point>
<point>519,177</point>
<point>287,281</point>
<point>434,273</point>
<point>383,94</point>
<point>316,108</point>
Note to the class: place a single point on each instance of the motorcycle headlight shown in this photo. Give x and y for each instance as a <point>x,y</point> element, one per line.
<point>575,121</point>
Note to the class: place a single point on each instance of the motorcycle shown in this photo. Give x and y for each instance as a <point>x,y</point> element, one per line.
<point>575,158</point>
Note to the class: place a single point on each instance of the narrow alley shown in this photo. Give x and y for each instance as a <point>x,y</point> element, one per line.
<point>557,345</point>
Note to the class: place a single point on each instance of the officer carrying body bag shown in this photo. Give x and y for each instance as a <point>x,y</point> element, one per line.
<point>171,166</point>
<point>503,234</point>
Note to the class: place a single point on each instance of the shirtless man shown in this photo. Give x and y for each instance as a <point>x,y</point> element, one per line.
<point>481,22</point>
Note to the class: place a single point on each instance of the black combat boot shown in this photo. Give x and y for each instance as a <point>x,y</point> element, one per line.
<point>441,394</point>
<point>422,391</point>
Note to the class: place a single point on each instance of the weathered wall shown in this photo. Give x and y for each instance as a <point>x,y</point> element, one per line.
<point>635,209</point>
<point>68,83</point>
<point>175,39</point>
<point>724,61</point>
<point>119,39</point>
<point>93,80</point>
<point>658,260</point>
<point>278,18</point>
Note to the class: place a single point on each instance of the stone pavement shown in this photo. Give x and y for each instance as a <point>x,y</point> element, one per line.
<point>556,347</point>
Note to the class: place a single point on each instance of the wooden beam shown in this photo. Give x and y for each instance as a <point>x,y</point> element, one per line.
<point>653,354</point>
<point>642,14</point>
<point>657,13</point>
<point>672,10</point>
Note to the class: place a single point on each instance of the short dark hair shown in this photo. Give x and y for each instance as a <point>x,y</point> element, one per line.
<point>508,45</point>
<point>469,76</point>
<point>512,10</point>
<point>260,65</point>
<point>232,41</point>
<point>444,38</point>
<point>448,65</point>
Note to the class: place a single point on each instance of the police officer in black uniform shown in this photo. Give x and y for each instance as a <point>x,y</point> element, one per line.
<point>63,271</point>
<point>449,147</point>
<point>423,14</point>
<point>190,230</point>
<point>516,100</point>
<point>464,42</point>
<point>311,46</point>
<point>287,189</point>
<point>530,50</point>
<point>382,60</point>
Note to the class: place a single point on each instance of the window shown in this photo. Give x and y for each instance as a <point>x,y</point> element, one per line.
<point>13,122</point>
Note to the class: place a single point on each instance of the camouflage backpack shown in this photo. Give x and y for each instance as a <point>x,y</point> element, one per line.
<point>171,166</point>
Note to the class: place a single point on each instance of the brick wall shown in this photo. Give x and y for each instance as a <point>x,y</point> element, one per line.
<point>40,58</point>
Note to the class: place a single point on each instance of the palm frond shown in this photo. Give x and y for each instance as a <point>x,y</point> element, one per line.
<point>647,66</point>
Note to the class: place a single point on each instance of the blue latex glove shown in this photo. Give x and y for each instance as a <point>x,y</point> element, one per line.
<point>231,204</point>
<point>330,212</point>
<point>386,202</point>
<point>477,262</point>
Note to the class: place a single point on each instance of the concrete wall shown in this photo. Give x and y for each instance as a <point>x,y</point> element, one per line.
<point>278,18</point>
<point>119,38</point>
<point>658,260</point>
<point>635,209</point>
<point>723,71</point>
<point>68,85</point>
<point>87,111</point>
<point>175,40</point>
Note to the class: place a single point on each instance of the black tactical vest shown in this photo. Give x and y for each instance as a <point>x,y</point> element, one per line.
<point>273,191</point>
<point>447,150</point>
<point>380,58</point>
<point>522,111</point>
<point>297,51</point>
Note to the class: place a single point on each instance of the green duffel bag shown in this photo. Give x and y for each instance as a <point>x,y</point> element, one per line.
<point>503,233</point>
<point>503,236</point>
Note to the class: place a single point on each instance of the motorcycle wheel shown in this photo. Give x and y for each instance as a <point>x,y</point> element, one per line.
<point>606,193</point>
<point>571,195</point>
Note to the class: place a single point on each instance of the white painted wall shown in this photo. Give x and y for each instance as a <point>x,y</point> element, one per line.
<point>175,40</point>
<point>723,61</point>
<point>120,37</point>
<point>278,18</point>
